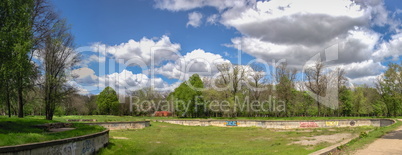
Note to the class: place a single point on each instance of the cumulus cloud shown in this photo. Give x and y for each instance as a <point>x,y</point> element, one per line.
<point>85,75</point>
<point>297,22</point>
<point>122,82</point>
<point>194,19</point>
<point>142,52</point>
<point>197,61</point>
<point>391,48</point>
<point>363,69</point>
<point>297,30</point>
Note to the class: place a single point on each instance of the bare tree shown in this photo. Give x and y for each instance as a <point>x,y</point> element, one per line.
<point>58,56</point>
<point>231,76</point>
<point>257,77</point>
<point>316,82</point>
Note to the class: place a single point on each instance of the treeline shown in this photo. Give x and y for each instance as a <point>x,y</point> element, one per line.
<point>241,92</point>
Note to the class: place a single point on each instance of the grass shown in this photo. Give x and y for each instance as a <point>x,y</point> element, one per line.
<point>164,138</point>
<point>110,118</point>
<point>362,141</point>
<point>15,131</point>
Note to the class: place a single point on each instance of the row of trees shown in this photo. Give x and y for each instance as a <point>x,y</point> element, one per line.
<point>248,93</point>
<point>283,95</point>
<point>36,49</point>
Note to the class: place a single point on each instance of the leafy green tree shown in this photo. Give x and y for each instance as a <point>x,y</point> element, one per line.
<point>107,102</point>
<point>285,78</point>
<point>15,45</point>
<point>390,87</point>
<point>188,99</point>
<point>345,99</point>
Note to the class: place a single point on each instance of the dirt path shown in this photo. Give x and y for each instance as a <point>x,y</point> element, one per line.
<point>390,143</point>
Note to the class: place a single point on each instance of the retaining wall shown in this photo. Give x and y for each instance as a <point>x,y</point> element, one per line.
<point>87,144</point>
<point>123,125</point>
<point>284,124</point>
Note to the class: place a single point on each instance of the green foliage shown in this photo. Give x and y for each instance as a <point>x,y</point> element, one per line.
<point>345,99</point>
<point>390,87</point>
<point>16,34</point>
<point>188,97</point>
<point>107,101</point>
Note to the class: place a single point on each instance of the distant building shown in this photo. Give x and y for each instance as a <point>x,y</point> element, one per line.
<point>162,114</point>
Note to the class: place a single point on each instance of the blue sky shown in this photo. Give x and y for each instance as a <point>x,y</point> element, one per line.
<point>109,34</point>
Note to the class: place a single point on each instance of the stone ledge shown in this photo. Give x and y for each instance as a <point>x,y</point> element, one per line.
<point>15,149</point>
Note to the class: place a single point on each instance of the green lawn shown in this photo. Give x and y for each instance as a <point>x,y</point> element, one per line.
<point>110,118</point>
<point>164,138</point>
<point>14,131</point>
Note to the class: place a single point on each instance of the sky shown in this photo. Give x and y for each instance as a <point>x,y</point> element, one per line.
<point>133,44</point>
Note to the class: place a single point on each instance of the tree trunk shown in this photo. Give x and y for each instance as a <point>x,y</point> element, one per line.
<point>8,100</point>
<point>20,102</point>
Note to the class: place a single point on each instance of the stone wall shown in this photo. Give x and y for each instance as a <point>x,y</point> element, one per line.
<point>284,124</point>
<point>87,144</point>
<point>123,125</point>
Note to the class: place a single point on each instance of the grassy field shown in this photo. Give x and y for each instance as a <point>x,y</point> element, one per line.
<point>110,118</point>
<point>14,131</point>
<point>164,138</point>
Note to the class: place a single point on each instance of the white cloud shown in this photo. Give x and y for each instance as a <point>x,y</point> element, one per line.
<point>183,5</point>
<point>97,58</point>
<point>140,53</point>
<point>85,76</point>
<point>126,81</point>
<point>197,61</point>
<point>363,69</point>
<point>194,19</point>
<point>307,22</point>
<point>368,80</point>
<point>122,82</point>
<point>391,48</point>
<point>213,19</point>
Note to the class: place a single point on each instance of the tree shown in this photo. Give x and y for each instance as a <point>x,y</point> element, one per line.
<point>143,97</point>
<point>188,98</point>
<point>15,45</point>
<point>285,78</point>
<point>345,98</point>
<point>390,87</point>
<point>231,76</point>
<point>316,82</point>
<point>57,57</point>
<point>257,75</point>
<point>107,102</point>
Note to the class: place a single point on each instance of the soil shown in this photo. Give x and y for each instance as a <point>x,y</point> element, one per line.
<point>322,138</point>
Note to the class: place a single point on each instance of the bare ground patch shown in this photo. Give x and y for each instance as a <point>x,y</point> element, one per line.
<point>119,137</point>
<point>322,138</point>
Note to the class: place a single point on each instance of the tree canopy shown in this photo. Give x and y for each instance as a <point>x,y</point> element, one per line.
<point>108,102</point>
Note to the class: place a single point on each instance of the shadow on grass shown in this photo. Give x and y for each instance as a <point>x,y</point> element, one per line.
<point>21,125</point>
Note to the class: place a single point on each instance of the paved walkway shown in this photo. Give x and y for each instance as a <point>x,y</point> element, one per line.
<point>389,144</point>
